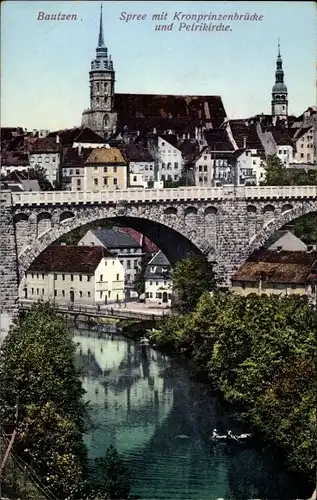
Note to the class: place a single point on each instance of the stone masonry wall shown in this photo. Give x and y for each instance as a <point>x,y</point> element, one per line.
<point>8,265</point>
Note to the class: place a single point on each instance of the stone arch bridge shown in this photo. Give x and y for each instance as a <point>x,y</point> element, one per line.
<point>226,223</point>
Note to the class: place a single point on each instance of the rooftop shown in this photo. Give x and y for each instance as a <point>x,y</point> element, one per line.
<point>146,111</point>
<point>69,259</point>
<point>277,267</point>
<point>218,140</point>
<point>241,131</point>
<point>72,158</point>
<point>114,238</point>
<point>110,156</point>
<point>44,145</point>
<point>134,152</point>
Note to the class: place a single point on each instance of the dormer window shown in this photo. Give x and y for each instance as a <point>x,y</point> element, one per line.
<point>153,269</point>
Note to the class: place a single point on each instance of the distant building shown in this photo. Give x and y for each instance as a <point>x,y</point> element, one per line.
<point>105,168</point>
<point>74,274</point>
<point>141,165</point>
<point>277,272</point>
<point>158,281</point>
<point>46,153</point>
<point>74,160</point>
<point>119,243</point>
<point>168,157</point>
<point>305,145</point>
<point>285,240</point>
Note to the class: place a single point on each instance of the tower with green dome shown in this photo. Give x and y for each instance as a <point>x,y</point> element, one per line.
<point>279,91</point>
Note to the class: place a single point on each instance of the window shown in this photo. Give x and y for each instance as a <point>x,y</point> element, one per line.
<point>159,295</point>
<point>55,293</point>
<point>101,277</point>
<point>63,277</point>
<point>163,143</point>
<point>78,182</point>
<point>200,168</point>
<point>302,155</point>
<point>88,278</point>
<point>32,291</point>
<point>47,159</point>
<point>88,294</point>
<point>37,275</point>
<point>39,159</point>
<point>134,178</point>
<point>293,286</point>
<point>80,277</point>
<point>55,276</point>
<point>101,294</point>
<point>146,295</point>
<point>169,151</point>
<point>37,291</point>
<point>63,293</point>
<point>54,160</point>
<point>151,295</point>
<point>42,276</point>
<point>97,100</point>
<point>96,182</point>
<point>115,170</point>
<point>169,166</point>
<point>205,178</point>
<point>115,181</point>
<point>118,277</point>
<point>128,277</point>
<point>77,171</point>
<point>105,169</point>
<point>175,177</point>
<point>163,165</point>
<point>128,264</point>
<point>146,167</point>
<point>205,168</point>
<point>156,283</point>
<point>42,291</point>
<point>71,277</point>
<point>97,86</point>
<point>80,294</point>
<point>96,168</point>
<point>105,181</point>
<point>151,283</point>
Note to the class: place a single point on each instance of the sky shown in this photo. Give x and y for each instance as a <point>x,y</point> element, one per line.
<point>45,64</point>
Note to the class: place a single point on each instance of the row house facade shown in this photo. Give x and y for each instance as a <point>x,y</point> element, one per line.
<point>278,272</point>
<point>158,280</point>
<point>70,274</point>
<point>105,168</point>
<point>122,245</point>
<point>141,165</point>
<point>168,157</point>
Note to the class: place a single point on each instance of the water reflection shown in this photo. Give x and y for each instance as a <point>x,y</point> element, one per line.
<point>144,404</point>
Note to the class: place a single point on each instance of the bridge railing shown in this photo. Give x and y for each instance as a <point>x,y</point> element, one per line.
<point>169,194</point>
<point>103,311</point>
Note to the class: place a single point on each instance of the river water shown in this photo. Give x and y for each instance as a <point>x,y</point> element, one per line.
<point>146,406</point>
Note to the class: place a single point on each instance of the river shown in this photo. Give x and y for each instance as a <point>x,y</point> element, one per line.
<point>159,420</point>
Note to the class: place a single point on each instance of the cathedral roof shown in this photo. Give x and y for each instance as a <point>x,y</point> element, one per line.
<point>104,156</point>
<point>148,111</point>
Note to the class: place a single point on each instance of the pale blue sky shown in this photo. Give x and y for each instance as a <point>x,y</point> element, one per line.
<point>45,64</point>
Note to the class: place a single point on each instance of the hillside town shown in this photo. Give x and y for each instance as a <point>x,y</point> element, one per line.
<point>141,141</point>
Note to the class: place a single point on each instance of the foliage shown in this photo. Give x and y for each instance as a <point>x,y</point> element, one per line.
<point>275,171</point>
<point>37,367</point>
<point>305,228</point>
<point>191,278</point>
<point>259,351</point>
<point>278,175</point>
<point>110,478</point>
<point>39,173</point>
<point>139,280</point>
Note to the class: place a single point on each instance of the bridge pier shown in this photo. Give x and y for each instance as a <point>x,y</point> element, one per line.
<point>9,291</point>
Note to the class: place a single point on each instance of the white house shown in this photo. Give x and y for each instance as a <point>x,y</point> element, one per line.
<point>46,153</point>
<point>305,145</point>
<point>141,165</point>
<point>168,158</point>
<point>66,274</point>
<point>158,281</point>
<point>121,244</point>
<point>285,239</point>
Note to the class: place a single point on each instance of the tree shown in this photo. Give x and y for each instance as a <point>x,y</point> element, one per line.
<point>139,280</point>
<point>39,173</point>
<point>37,367</point>
<point>305,228</point>
<point>275,172</point>
<point>191,278</point>
<point>110,478</point>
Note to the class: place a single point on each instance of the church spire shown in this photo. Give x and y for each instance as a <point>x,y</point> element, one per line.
<point>101,42</point>
<point>279,91</point>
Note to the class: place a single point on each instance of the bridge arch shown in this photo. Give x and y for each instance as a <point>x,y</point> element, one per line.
<point>169,233</point>
<point>170,211</point>
<point>277,223</point>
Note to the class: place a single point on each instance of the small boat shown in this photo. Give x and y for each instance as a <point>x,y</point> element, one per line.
<point>240,438</point>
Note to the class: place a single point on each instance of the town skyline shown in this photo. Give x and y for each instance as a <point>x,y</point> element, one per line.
<point>55,80</point>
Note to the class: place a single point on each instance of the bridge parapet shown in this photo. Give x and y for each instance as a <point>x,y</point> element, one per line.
<point>133,195</point>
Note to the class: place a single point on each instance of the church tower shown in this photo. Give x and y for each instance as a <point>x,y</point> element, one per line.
<point>100,116</point>
<point>279,92</point>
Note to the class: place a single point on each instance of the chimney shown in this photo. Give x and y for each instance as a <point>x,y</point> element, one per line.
<point>154,130</point>
<point>57,139</point>
<point>79,149</point>
<point>244,142</point>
